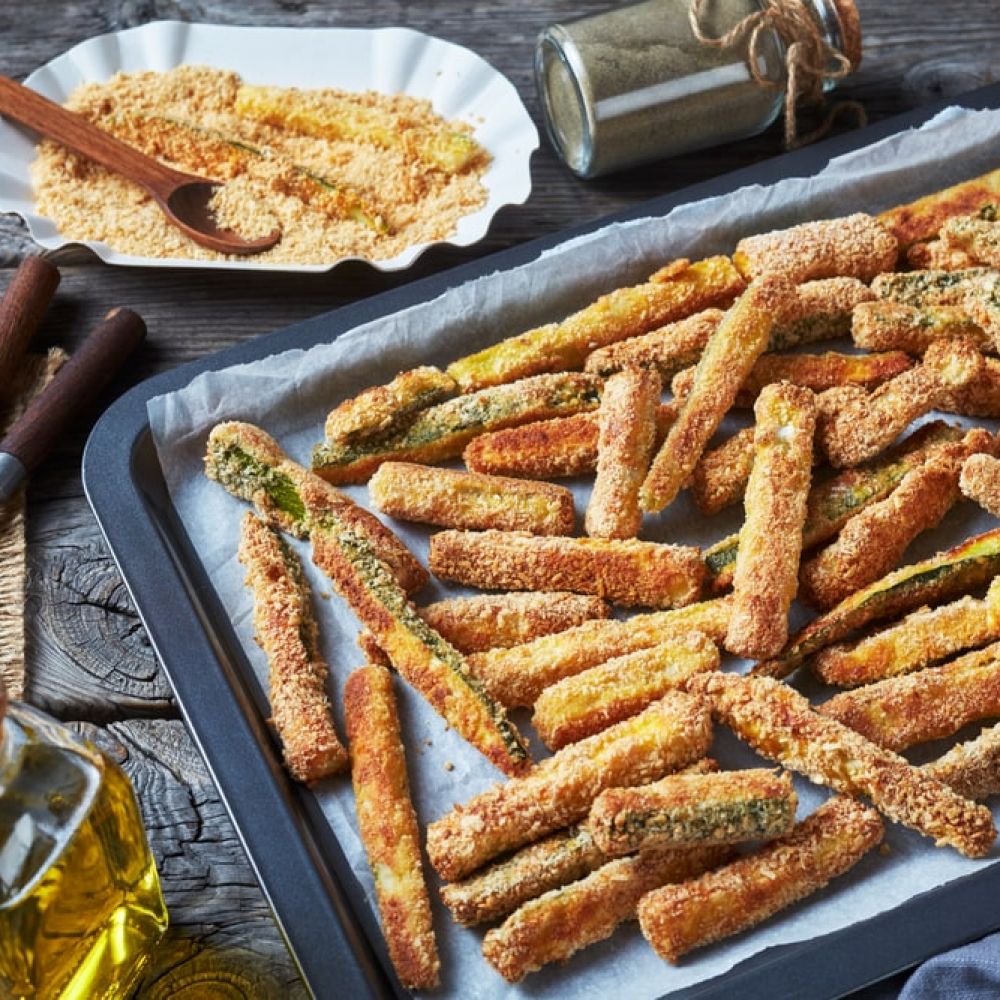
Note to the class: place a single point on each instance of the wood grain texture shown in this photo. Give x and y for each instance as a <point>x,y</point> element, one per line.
<point>88,657</point>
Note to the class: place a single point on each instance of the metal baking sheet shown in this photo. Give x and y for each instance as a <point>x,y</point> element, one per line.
<point>317,903</point>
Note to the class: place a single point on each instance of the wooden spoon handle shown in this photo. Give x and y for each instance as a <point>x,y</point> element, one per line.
<point>24,303</point>
<point>75,132</point>
<point>74,387</point>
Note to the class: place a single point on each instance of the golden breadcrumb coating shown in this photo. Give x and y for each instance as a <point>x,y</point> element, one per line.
<point>975,236</point>
<point>518,676</point>
<point>690,810</point>
<point>452,499</point>
<point>820,310</point>
<point>286,630</point>
<point>854,425</point>
<point>930,704</point>
<point>767,563</point>
<point>873,541</point>
<point>980,397</point>
<point>666,350</point>
<point>553,927</point>
<point>741,338</point>
<point>885,325</point>
<point>549,449</point>
<point>670,734</point>
<point>932,287</point>
<point>857,246</point>
<point>371,650</point>
<point>679,918</point>
<point>623,571</point>
<point>675,291</point>
<point>780,724</point>
<point>980,481</point>
<point>499,621</point>
<point>972,769</point>
<point>388,826</point>
<point>579,706</point>
<point>919,640</point>
<point>936,255</point>
<point>626,436</point>
<point>720,476</point>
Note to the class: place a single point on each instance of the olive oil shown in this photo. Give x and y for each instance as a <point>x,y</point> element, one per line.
<point>80,901</point>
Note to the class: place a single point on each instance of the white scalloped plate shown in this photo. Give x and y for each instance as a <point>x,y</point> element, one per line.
<point>458,83</point>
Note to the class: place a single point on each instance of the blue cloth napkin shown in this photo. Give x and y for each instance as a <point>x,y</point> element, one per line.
<point>971,972</point>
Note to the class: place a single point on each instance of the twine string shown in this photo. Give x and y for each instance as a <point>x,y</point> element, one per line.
<point>810,60</point>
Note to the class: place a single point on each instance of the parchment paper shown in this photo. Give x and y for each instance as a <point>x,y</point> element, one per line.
<point>289,395</point>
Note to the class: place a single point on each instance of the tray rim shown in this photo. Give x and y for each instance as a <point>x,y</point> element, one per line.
<point>144,536</point>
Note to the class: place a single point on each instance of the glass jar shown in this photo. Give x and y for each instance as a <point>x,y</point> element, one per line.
<point>80,901</point>
<point>635,84</point>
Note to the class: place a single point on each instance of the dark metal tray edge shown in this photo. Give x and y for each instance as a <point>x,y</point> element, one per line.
<point>317,903</point>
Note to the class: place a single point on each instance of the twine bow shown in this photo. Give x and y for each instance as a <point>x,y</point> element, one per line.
<point>809,59</point>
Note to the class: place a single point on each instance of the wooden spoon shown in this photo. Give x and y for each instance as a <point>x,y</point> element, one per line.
<point>183,197</point>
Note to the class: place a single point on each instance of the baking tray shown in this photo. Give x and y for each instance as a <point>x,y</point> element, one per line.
<point>317,902</point>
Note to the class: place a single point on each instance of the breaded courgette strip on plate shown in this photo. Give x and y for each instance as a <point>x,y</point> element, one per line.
<point>927,288</point>
<point>978,398</point>
<point>765,578</point>
<point>740,339</point>
<point>885,325</point>
<point>691,810</point>
<point>626,438</point>
<point>623,571</point>
<point>918,641</point>
<point>972,769</point>
<point>720,476</point>
<point>948,574</point>
<point>679,918</point>
<point>980,481</point>
<point>670,734</point>
<point>517,676</point>
<point>780,724</point>
<point>452,499</point>
<point>344,551</point>
<point>441,432</point>
<point>672,293</point>
<point>855,246</point>
<point>930,704</point>
<point>579,706</point>
<point>820,310</point>
<point>553,927</point>
<point>388,826</point>
<point>976,236</point>
<point>250,464</point>
<point>285,628</point>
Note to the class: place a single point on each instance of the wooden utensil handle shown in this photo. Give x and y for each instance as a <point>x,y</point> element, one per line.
<point>75,387</point>
<point>24,303</point>
<point>42,115</point>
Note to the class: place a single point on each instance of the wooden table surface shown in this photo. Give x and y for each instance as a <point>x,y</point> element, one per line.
<point>89,660</point>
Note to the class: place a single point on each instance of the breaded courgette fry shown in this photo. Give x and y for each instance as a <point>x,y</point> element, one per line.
<point>948,574</point>
<point>972,769</point>
<point>811,371</point>
<point>388,826</point>
<point>856,246</point>
<point>936,255</point>
<point>285,628</point>
<point>452,499</point>
<point>670,734</point>
<point>579,706</point>
<point>549,449</point>
<point>250,464</point>
<point>383,409</point>
<point>517,676</point>
<point>538,868</point>
<point>980,481</point>
<point>927,288</point>
<point>780,724</point>
<point>982,303</point>
<point>329,116</point>
<point>673,292</point>
<point>553,927</point>
<point>692,810</point>
<point>720,476</point>
<point>499,621</point>
<point>873,541</point>
<point>980,397</point>
<point>820,310</point>
<point>623,571</point>
<point>741,338</point>
<point>720,564</point>
<point>977,236</point>
<point>666,350</point>
<point>930,704</point>
<point>441,432</point>
<point>885,325</point>
<point>919,640</point>
<point>854,426</point>
<point>679,918</point>
<point>765,577</point>
<point>626,437</point>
